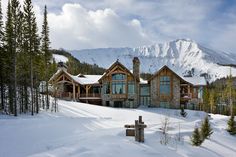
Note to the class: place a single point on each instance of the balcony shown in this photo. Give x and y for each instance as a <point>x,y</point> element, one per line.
<point>90,96</point>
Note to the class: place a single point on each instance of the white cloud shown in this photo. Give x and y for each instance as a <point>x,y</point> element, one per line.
<point>77,24</point>
<point>77,28</point>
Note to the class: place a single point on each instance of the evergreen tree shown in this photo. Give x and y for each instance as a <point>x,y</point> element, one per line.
<point>8,50</point>
<point>212,101</point>
<point>206,129</point>
<point>31,43</point>
<point>231,125</point>
<point>2,90</point>
<point>45,42</point>
<point>206,99</point>
<point>196,138</point>
<point>16,21</point>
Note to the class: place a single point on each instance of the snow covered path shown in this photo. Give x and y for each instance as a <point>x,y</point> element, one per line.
<point>83,130</point>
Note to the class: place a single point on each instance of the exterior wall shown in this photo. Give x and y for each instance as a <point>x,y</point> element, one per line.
<point>128,100</point>
<point>173,99</point>
<point>175,103</point>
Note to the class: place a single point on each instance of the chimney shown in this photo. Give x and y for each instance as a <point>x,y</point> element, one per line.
<point>136,68</point>
<point>62,66</point>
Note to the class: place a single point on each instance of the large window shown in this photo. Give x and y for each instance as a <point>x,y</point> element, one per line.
<point>118,77</point>
<point>165,85</point>
<point>106,88</point>
<point>144,90</point>
<point>118,84</point>
<point>118,87</point>
<point>131,87</point>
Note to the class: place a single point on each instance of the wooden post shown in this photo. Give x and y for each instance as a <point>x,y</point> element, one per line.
<point>73,91</point>
<point>188,90</point>
<point>136,131</point>
<point>79,91</point>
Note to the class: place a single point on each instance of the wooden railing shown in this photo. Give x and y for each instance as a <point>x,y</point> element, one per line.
<point>90,95</point>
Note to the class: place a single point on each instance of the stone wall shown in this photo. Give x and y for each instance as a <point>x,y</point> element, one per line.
<point>173,100</point>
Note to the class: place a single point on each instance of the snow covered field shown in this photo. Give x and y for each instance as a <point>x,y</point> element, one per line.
<point>83,130</point>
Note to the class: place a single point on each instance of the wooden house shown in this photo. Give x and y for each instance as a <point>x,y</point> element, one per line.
<point>84,88</point>
<point>170,90</point>
<point>120,87</point>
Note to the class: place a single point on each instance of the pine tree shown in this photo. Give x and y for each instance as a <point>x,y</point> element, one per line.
<point>206,129</point>
<point>206,99</point>
<point>212,100</point>
<point>196,138</point>
<point>45,50</point>
<point>231,125</point>
<point>8,50</point>
<point>1,59</point>
<point>31,43</point>
<point>16,22</point>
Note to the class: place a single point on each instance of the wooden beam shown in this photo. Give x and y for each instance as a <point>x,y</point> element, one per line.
<point>78,91</point>
<point>73,91</point>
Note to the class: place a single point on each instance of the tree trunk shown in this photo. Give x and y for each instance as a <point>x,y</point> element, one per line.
<point>31,85</point>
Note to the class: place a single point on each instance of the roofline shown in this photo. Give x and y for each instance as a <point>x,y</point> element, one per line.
<point>165,66</point>
<point>116,63</point>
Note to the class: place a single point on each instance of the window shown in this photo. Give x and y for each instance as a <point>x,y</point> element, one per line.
<point>118,77</point>
<point>96,90</point>
<point>164,104</point>
<point>144,90</point>
<point>131,87</point>
<point>165,85</point>
<point>106,88</point>
<point>118,84</point>
<point>118,87</point>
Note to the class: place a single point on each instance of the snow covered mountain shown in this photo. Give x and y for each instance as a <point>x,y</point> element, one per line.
<point>183,55</point>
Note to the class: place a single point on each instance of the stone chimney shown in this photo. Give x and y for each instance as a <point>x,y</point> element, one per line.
<point>62,66</point>
<point>136,68</point>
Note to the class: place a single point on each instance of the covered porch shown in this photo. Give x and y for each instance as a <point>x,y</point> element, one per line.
<point>68,87</point>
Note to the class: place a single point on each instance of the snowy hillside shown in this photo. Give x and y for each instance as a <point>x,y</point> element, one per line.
<point>182,55</point>
<point>60,58</point>
<point>83,130</point>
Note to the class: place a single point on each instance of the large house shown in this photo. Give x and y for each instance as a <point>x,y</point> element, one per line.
<point>121,87</point>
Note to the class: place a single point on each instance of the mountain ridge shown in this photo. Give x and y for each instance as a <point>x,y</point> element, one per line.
<point>183,55</point>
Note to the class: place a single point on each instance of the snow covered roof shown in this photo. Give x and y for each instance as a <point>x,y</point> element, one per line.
<point>196,80</point>
<point>87,79</point>
<point>81,79</point>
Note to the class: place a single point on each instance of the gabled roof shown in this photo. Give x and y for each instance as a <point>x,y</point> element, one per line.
<point>80,79</point>
<point>195,81</point>
<point>116,63</point>
<point>166,67</point>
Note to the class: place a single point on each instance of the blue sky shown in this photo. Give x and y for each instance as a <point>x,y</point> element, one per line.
<point>80,24</point>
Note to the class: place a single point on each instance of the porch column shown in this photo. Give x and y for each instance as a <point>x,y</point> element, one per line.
<point>188,90</point>
<point>73,91</point>
<point>78,91</point>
